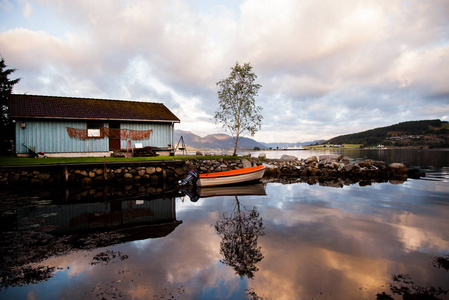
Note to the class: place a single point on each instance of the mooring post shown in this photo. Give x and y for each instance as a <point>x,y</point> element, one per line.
<point>66,174</point>
<point>104,170</point>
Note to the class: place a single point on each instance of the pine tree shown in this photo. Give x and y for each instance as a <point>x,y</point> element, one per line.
<point>6,86</point>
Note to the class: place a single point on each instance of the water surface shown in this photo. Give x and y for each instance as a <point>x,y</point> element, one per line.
<point>284,241</point>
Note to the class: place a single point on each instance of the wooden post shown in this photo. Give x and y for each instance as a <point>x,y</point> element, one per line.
<point>105,170</point>
<point>66,174</point>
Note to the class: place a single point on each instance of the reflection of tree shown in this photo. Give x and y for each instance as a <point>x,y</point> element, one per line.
<point>239,233</point>
<point>441,262</point>
<point>404,286</point>
<point>26,275</point>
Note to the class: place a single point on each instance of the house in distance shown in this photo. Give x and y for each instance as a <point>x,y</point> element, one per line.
<point>67,126</point>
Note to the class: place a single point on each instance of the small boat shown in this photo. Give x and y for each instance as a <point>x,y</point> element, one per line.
<point>231,177</point>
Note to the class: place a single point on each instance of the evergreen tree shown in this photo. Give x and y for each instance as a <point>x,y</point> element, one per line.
<point>6,86</point>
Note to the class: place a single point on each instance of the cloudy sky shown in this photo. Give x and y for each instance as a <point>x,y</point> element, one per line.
<point>326,67</point>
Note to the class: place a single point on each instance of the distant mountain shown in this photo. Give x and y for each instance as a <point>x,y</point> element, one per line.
<point>285,145</point>
<point>214,141</point>
<point>224,141</point>
<point>432,133</point>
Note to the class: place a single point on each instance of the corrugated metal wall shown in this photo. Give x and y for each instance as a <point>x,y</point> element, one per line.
<point>160,137</point>
<point>51,136</point>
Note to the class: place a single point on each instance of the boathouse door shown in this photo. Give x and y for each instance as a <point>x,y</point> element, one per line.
<point>114,136</point>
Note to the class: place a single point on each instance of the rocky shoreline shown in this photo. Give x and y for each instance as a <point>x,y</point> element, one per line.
<point>318,169</point>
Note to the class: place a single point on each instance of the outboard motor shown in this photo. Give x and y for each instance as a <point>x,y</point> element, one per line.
<point>193,196</point>
<point>193,175</point>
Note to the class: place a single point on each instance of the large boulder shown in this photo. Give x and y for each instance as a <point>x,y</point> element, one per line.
<point>262,155</point>
<point>311,159</point>
<point>398,168</point>
<point>366,164</point>
<point>329,158</point>
<point>246,163</point>
<point>288,158</point>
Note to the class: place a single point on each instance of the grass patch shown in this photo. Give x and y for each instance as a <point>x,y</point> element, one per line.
<point>23,161</point>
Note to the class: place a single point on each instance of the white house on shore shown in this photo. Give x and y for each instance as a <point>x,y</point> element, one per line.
<point>67,126</point>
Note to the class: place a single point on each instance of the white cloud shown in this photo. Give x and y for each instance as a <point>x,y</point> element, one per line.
<point>338,66</point>
<point>27,9</point>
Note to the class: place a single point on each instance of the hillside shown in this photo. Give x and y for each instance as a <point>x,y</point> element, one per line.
<point>214,141</point>
<point>224,141</point>
<point>425,133</point>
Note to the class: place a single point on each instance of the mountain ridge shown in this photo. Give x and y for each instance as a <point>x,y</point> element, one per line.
<point>224,141</point>
<point>428,133</point>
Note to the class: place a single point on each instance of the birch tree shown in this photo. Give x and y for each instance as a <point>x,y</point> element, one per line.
<point>237,110</point>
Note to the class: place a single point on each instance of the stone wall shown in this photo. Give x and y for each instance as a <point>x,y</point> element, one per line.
<point>157,172</point>
<point>339,166</point>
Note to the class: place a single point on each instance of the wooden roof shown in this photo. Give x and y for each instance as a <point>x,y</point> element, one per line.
<point>32,106</point>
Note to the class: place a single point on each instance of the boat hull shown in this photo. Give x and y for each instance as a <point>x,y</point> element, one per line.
<point>231,177</point>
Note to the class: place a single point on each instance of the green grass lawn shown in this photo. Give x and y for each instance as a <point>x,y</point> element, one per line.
<point>21,161</point>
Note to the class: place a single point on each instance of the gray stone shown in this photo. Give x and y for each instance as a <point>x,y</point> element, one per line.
<point>127,176</point>
<point>311,159</point>
<point>262,155</point>
<point>150,170</point>
<point>288,158</point>
<point>246,163</point>
<point>398,168</point>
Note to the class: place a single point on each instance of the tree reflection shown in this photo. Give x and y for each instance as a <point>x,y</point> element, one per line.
<point>239,233</point>
<point>441,262</point>
<point>404,286</point>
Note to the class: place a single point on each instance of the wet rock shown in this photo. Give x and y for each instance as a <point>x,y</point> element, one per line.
<point>86,181</point>
<point>128,176</point>
<point>44,176</point>
<point>150,170</point>
<point>398,168</point>
<point>366,164</point>
<point>310,160</point>
<point>345,160</point>
<point>288,158</point>
<point>246,163</point>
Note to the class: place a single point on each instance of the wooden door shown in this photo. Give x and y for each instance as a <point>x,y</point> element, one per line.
<point>114,136</point>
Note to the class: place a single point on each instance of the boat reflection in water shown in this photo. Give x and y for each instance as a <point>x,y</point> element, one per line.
<point>196,192</point>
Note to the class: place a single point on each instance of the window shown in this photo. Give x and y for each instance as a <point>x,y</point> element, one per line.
<point>95,130</point>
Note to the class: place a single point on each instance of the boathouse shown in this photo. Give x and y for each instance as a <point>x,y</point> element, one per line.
<point>67,126</point>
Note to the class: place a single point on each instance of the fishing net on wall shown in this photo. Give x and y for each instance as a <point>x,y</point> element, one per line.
<point>123,134</point>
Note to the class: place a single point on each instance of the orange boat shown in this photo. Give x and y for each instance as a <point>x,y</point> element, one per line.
<point>231,177</point>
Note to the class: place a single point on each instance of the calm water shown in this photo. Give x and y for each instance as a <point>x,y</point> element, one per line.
<point>283,241</point>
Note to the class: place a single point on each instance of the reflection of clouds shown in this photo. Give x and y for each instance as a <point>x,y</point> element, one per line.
<point>187,260</point>
<point>315,248</point>
<point>418,233</point>
<point>319,243</point>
